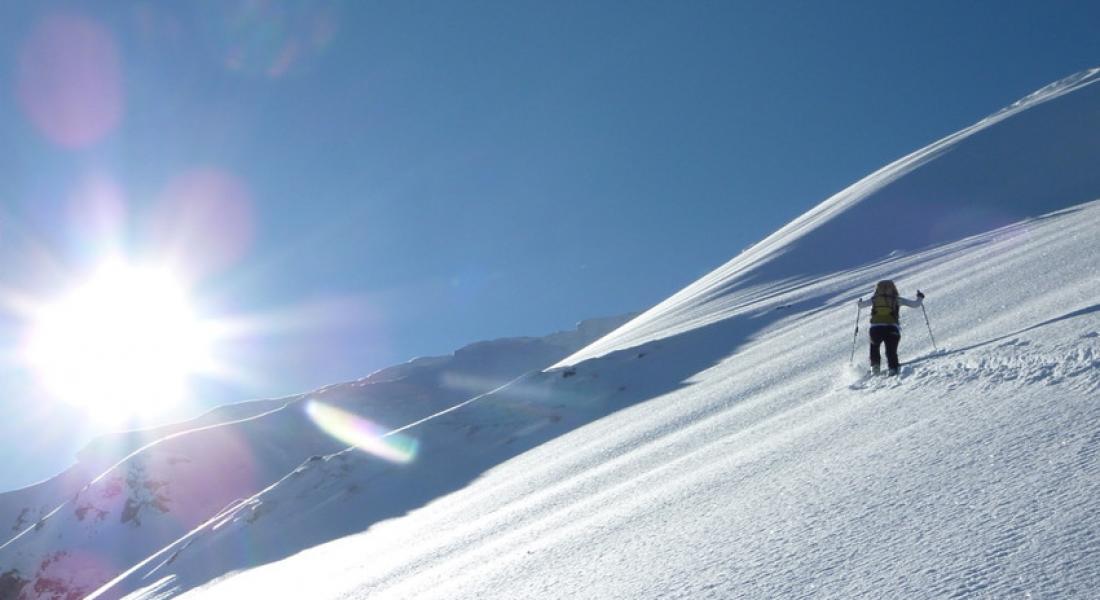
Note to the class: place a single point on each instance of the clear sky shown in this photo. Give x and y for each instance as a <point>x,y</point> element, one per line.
<point>353,184</point>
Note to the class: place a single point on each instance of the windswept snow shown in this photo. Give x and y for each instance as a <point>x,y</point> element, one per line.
<point>719,445</point>
<point>742,461</point>
<point>1038,155</point>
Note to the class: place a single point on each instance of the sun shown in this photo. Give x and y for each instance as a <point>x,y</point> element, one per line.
<point>122,345</point>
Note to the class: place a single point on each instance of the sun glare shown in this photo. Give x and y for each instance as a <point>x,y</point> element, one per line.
<point>123,345</point>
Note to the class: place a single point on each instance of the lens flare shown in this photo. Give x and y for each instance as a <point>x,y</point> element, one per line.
<point>72,573</point>
<point>198,489</point>
<point>69,80</point>
<point>356,431</point>
<point>205,218</point>
<point>97,213</point>
<point>270,39</point>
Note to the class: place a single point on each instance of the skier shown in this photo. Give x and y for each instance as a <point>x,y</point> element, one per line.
<point>884,322</point>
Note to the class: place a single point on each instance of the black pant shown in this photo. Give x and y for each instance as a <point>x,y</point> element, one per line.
<point>891,337</point>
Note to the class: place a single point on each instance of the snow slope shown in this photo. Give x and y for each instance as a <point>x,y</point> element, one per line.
<point>775,472</point>
<point>716,446</point>
<point>719,445</point>
<point>132,494</point>
<point>1038,155</point>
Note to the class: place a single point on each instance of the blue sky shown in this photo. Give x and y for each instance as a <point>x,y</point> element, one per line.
<point>378,181</point>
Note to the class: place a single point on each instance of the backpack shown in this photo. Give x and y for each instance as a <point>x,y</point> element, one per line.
<point>884,304</point>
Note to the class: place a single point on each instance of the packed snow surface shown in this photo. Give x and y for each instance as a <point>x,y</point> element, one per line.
<point>719,445</point>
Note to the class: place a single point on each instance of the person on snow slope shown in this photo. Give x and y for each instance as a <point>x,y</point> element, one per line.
<point>885,326</point>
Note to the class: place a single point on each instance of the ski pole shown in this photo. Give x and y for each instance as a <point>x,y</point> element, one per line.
<point>930,336</point>
<point>855,336</point>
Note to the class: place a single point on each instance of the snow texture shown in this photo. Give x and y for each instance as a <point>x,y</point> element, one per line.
<point>74,533</point>
<point>717,446</point>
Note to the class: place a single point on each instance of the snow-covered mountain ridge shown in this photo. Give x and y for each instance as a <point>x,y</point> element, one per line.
<point>774,471</point>
<point>131,494</point>
<point>1035,156</point>
<point>719,446</point>
<point>716,446</point>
